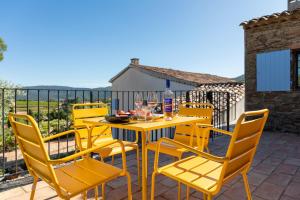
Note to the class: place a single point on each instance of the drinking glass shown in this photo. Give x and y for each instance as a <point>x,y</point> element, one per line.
<point>152,101</point>
<point>138,100</point>
<point>145,110</point>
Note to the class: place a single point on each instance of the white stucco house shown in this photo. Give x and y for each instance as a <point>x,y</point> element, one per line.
<point>142,78</point>
<point>137,77</point>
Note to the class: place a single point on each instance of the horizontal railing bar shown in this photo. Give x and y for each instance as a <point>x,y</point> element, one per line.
<point>21,89</point>
<point>91,89</point>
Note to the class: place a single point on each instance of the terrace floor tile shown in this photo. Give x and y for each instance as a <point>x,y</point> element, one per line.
<point>274,175</point>
<point>293,190</point>
<point>269,191</point>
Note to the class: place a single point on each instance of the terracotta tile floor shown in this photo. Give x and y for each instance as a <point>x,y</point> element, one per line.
<point>275,174</point>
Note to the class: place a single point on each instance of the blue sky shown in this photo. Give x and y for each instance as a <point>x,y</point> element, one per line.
<point>85,43</point>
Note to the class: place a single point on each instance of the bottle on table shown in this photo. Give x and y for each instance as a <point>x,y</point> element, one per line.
<point>168,102</point>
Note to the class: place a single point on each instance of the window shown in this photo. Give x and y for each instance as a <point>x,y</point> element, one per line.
<point>298,70</point>
<point>273,71</point>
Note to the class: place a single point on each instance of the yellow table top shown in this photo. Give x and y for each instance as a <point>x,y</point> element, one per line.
<point>146,125</point>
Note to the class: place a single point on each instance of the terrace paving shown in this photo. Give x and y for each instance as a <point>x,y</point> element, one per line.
<point>275,174</point>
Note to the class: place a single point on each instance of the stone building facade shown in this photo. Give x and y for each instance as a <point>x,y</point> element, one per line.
<point>279,31</point>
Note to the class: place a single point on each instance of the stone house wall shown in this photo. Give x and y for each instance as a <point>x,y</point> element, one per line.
<point>284,106</point>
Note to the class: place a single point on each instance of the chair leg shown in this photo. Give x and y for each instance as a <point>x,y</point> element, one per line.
<point>129,186</point>
<point>153,186</point>
<point>138,165</point>
<point>179,185</point>
<point>96,193</point>
<point>209,197</point>
<point>84,195</point>
<point>204,196</point>
<point>207,149</point>
<point>112,160</point>
<point>103,191</point>
<point>187,192</point>
<point>246,184</point>
<point>35,180</point>
<point>179,191</point>
<point>146,158</point>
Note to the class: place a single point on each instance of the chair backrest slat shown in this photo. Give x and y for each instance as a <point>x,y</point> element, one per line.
<point>90,112</point>
<point>93,111</point>
<point>32,146</point>
<point>244,141</point>
<point>183,133</point>
<point>249,128</point>
<point>39,168</point>
<point>33,150</point>
<point>27,132</point>
<point>196,110</point>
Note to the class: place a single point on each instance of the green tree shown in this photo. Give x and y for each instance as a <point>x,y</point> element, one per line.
<point>3,48</point>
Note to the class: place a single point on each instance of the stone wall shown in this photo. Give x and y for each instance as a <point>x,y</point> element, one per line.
<point>284,106</point>
<point>293,4</point>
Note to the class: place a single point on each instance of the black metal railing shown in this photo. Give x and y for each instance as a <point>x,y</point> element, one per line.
<point>52,110</point>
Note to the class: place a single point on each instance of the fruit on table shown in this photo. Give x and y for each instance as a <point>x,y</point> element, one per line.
<point>121,112</point>
<point>132,112</point>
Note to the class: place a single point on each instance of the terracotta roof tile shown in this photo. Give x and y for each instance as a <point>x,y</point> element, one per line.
<point>190,78</point>
<point>268,19</point>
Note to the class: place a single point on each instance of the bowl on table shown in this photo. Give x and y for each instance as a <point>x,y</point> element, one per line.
<point>117,118</point>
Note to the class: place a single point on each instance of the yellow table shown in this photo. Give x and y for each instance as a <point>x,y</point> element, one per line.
<point>144,128</point>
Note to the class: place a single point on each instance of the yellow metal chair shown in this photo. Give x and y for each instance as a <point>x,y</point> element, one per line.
<point>90,136</point>
<point>207,173</point>
<point>75,176</point>
<point>186,133</point>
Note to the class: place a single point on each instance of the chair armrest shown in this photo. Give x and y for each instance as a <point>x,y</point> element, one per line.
<point>46,139</point>
<point>81,126</point>
<point>211,128</point>
<point>204,125</point>
<point>136,137</point>
<point>90,150</point>
<point>200,153</point>
<point>222,131</point>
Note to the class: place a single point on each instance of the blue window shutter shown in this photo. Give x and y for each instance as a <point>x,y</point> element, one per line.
<point>273,71</point>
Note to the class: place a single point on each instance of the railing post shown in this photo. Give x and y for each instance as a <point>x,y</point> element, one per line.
<point>3,131</point>
<point>228,110</point>
<point>187,97</point>
<point>38,107</point>
<point>209,97</point>
<point>91,96</point>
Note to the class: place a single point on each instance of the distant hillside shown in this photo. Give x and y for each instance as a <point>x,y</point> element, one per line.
<point>240,78</point>
<point>57,87</point>
<point>55,93</point>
